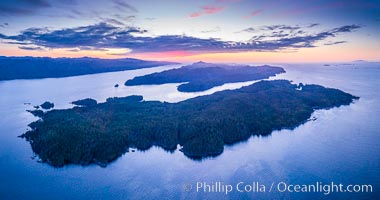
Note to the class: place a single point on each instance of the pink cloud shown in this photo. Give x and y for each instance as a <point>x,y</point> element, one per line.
<point>254,13</point>
<point>207,10</point>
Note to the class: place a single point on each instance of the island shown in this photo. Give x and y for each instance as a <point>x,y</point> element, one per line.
<point>36,112</point>
<point>202,76</point>
<point>85,102</point>
<point>46,105</point>
<point>45,67</point>
<point>102,132</point>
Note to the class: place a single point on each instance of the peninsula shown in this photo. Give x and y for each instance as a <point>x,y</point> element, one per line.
<point>202,76</point>
<point>45,67</point>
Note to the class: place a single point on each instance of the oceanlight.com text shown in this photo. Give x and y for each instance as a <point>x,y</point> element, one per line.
<point>282,187</point>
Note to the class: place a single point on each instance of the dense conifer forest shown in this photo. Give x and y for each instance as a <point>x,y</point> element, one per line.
<point>45,67</point>
<point>100,133</point>
<point>202,76</point>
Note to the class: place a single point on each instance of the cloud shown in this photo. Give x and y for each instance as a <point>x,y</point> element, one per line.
<point>105,35</point>
<point>313,25</point>
<point>295,37</point>
<point>98,35</point>
<point>3,25</point>
<point>122,5</point>
<point>31,48</point>
<point>150,18</point>
<point>215,29</point>
<point>85,48</point>
<point>334,43</point>
<point>207,10</point>
<point>249,30</point>
<point>113,21</point>
<point>22,7</point>
<point>216,7</point>
<point>273,29</point>
<point>254,13</point>
<point>281,27</point>
<point>125,18</point>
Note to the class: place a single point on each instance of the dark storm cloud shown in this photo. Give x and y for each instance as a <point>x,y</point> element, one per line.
<point>105,35</point>
<point>21,7</point>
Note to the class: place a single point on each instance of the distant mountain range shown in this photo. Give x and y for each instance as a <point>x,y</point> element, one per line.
<point>46,67</point>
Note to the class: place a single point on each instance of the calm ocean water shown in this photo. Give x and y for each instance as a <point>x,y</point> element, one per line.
<point>342,145</point>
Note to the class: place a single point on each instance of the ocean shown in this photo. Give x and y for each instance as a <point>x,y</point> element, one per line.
<point>339,146</point>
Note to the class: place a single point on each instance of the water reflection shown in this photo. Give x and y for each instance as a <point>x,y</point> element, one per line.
<point>342,145</point>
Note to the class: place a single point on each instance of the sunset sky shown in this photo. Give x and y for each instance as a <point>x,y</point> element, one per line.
<point>193,30</point>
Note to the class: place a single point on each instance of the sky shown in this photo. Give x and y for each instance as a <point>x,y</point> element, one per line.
<point>192,30</point>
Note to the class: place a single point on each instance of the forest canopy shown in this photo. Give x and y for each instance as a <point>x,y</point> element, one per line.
<point>46,67</point>
<point>202,76</point>
<point>100,133</point>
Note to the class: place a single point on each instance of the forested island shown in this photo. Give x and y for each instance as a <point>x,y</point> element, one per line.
<point>47,105</point>
<point>85,102</point>
<point>46,67</point>
<point>202,76</point>
<point>100,133</point>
